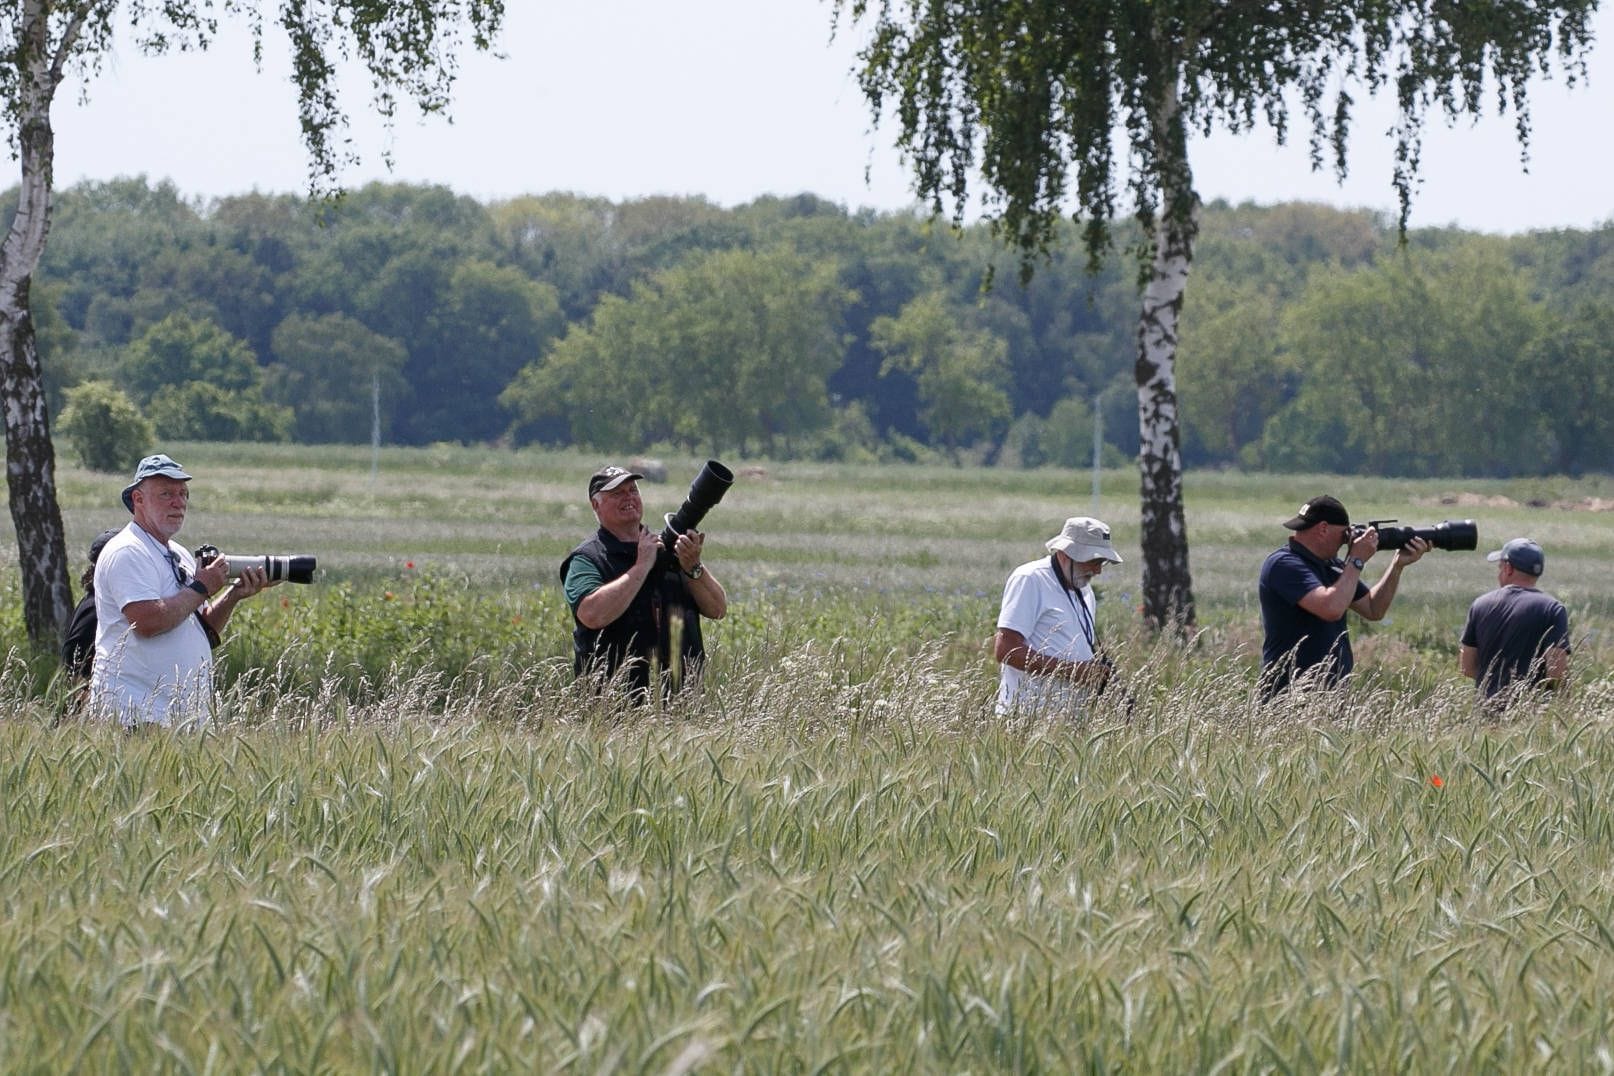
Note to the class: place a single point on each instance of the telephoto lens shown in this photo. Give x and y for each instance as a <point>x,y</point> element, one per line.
<point>704,493</point>
<point>287,568</point>
<point>1450,534</point>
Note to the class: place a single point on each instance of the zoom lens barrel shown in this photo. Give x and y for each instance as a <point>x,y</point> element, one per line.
<point>708,488</point>
<point>290,568</point>
<point>1450,534</point>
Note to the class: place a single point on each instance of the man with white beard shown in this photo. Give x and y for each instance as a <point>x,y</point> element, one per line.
<point>1045,645</point>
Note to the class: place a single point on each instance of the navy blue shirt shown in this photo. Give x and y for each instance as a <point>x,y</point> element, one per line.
<point>1295,640</point>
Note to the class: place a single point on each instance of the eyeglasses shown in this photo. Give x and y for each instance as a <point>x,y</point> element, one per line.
<point>181,576</point>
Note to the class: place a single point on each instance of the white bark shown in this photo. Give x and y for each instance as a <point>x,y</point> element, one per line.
<point>30,457</point>
<point>1167,587</point>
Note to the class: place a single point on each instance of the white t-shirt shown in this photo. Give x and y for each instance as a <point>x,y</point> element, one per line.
<point>161,679</point>
<point>1053,621</point>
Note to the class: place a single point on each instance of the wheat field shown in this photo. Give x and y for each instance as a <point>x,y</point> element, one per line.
<point>833,858</point>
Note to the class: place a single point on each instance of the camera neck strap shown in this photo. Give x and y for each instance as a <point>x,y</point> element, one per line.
<point>1073,594</point>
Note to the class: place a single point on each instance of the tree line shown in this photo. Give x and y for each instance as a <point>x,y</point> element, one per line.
<point>1312,339</point>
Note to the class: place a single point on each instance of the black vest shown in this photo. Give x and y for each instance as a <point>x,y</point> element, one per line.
<point>644,631</point>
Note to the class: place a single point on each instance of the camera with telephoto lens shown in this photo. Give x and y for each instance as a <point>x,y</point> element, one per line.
<point>1450,534</point>
<point>708,488</point>
<point>290,568</point>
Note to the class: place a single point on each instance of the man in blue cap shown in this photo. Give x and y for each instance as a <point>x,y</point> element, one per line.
<point>158,618</point>
<point>1516,633</point>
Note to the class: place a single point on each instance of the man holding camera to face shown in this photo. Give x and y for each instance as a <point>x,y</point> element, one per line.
<point>159,614</point>
<point>626,589</point>
<point>1305,589</point>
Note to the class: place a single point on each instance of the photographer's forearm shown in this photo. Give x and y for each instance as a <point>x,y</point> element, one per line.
<point>217,612</point>
<point>710,597</point>
<point>1011,649</point>
<point>610,600</point>
<point>159,616</point>
<point>1377,602</point>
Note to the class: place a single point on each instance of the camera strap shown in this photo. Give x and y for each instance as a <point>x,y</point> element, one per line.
<point>1084,617</point>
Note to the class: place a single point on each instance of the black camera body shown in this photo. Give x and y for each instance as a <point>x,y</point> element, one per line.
<point>290,568</point>
<point>1449,534</point>
<point>708,488</point>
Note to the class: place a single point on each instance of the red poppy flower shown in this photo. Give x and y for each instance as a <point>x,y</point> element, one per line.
<point>1436,781</point>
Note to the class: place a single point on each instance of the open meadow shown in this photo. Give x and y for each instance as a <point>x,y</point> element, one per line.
<point>410,844</point>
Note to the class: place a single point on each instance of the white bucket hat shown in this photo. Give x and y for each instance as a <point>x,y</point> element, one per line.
<point>1084,538</point>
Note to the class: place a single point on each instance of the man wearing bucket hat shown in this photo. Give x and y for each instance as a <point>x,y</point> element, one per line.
<point>1305,589</point>
<point>625,597</point>
<point>1516,633</point>
<point>158,619</point>
<point>1045,645</point>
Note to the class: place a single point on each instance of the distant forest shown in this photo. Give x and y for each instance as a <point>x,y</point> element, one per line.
<point>1313,339</point>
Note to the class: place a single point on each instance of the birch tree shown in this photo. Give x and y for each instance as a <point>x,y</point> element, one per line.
<point>408,48</point>
<point>1039,98</point>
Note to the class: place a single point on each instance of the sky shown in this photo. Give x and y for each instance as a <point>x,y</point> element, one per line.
<point>734,99</point>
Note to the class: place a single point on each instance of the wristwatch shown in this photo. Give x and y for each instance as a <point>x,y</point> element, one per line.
<point>198,586</point>
<point>696,572</point>
<point>1356,562</point>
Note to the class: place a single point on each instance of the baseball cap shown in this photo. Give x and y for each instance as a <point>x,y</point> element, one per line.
<point>1084,538</point>
<point>1323,509</point>
<point>100,543</point>
<point>609,478</point>
<point>1524,554</point>
<point>150,467</point>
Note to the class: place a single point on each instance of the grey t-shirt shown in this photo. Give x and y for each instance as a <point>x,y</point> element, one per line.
<point>1511,628</point>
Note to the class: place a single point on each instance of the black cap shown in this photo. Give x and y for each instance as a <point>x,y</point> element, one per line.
<point>100,543</point>
<point>1324,509</point>
<point>609,478</point>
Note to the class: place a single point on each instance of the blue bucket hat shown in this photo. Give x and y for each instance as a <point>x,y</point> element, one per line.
<point>150,467</point>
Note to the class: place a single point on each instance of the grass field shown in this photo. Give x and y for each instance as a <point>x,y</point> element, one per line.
<point>411,845</point>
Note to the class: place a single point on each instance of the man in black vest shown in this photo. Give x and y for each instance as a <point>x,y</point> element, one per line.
<point>626,592</point>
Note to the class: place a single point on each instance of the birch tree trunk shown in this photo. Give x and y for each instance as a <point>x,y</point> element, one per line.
<point>30,458</point>
<point>1168,599</point>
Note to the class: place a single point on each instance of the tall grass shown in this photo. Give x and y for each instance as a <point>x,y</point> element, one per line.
<point>801,868</point>
<point>410,842</point>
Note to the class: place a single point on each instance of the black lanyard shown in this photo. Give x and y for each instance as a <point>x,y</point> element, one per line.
<point>1084,618</point>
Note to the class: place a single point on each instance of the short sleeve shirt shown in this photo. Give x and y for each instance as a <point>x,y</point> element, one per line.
<point>1053,621</point>
<point>159,679</point>
<point>1289,633</point>
<point>582,579</point>
<point>1510,628</point>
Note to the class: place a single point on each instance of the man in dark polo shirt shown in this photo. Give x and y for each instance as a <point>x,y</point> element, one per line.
<point>1516,633</point>
<point>1306,588</point>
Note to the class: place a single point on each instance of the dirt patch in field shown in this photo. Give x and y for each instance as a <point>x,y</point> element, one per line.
<point>1496,500</point>
<point>1470,500</point>
<point>1582,504</point>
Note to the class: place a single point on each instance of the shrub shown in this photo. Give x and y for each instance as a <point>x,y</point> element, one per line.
<point>107,431</point>
<point>204,412</point>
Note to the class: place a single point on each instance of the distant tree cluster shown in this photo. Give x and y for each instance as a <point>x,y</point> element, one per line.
<point>790,327</point>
